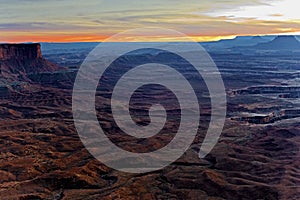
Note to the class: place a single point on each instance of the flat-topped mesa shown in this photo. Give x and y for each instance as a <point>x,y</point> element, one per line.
<point>19,61</point>
<point>20,51</point>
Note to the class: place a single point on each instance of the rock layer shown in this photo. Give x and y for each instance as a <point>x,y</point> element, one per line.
<point>20,51</point>
<point>17,61</point>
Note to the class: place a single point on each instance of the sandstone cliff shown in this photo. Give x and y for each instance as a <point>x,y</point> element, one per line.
<point>20,51</point>
<point>17,61</point>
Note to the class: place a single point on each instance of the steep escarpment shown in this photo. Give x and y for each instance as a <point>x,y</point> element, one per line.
<point>17,61</point>
<point>20,51</point>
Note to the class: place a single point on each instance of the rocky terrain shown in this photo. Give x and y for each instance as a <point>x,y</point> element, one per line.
<point>19,60</point>
<point>42,156</point>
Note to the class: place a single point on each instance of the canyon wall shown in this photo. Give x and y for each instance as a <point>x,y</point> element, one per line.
<point>20,51</point>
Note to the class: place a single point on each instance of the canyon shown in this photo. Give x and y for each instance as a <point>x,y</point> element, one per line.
<point>42,156</point>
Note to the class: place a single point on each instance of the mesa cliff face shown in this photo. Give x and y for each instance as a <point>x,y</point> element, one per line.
<point>17,61</point>
<point>20,51</point>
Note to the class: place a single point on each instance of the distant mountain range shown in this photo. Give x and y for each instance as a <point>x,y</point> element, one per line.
<point>286,43</point>
<point>238,41</point>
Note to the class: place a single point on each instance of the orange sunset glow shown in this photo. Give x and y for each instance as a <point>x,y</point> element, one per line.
<point>81,21</point>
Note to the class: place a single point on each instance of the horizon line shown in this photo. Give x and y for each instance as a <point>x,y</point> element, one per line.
<point>217,38</point>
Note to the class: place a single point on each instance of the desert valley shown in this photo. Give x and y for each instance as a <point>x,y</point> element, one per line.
<point>257,156</point>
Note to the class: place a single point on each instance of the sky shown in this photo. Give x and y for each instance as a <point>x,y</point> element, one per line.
<point>96,20</point>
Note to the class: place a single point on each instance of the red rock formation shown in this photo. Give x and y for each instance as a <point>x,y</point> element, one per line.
<point>20,51</point>
<point>17,61</point>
